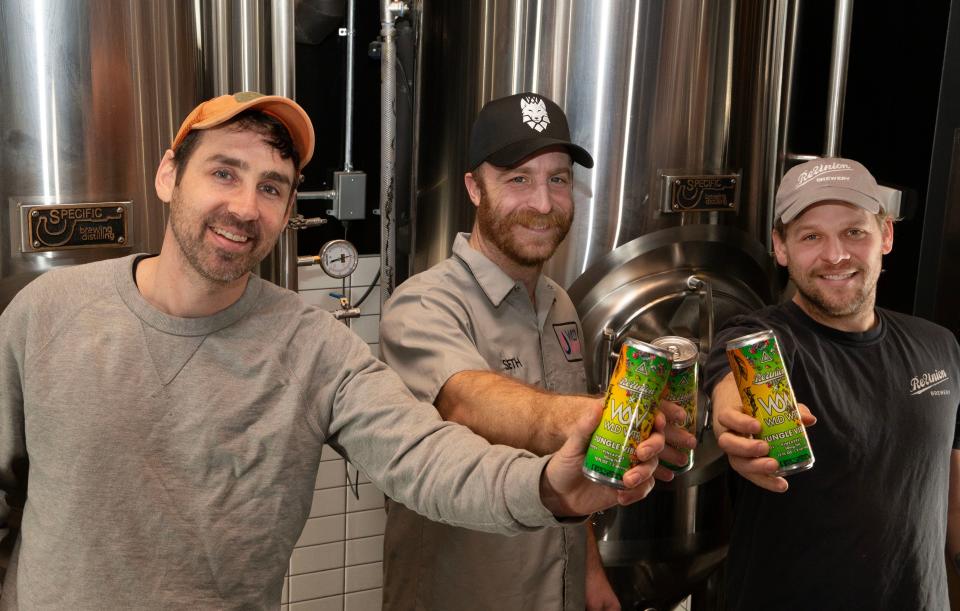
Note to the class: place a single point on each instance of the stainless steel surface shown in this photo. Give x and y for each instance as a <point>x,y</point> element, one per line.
<point>640,289</point>
<point>675,281</point>
<point>282,52</point>
<point>836,92</point>
<point>647,86</point>
<point>88,113</point>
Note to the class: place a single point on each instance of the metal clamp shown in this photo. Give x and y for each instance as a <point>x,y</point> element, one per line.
<point>299,222</point>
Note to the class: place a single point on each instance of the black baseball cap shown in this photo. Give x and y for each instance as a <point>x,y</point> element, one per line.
<point>510,129</point>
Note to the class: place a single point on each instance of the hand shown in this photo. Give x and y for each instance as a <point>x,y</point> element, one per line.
<point>748,457</point>
<point>565,491</point>
<point>678,440</point>
<point>600,596</point>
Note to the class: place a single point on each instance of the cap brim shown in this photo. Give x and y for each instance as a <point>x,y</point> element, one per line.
<point>286,111</point>
<point>827,194</point>
<point>512,154</point>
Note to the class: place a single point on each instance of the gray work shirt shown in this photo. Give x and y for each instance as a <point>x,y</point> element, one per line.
<point>467,314</point>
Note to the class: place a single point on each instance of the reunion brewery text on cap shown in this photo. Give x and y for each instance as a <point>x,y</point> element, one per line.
<point>218,110</point>
<point>510,129</point>
<point>829,179</point>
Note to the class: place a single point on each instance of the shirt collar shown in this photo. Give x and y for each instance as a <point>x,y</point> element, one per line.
<point>496,284</point>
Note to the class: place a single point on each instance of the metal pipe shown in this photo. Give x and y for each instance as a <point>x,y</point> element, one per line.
<point>839,58</point>
<point>348,116</point>
<point>220,53</point>
<point>388,99</point>
<point>249,45</point>
<point>775,57</point>
<point>282,46</point>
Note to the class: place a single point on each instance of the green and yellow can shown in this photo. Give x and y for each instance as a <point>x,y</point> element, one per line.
<point>682,387</point>
<point>766,394</point>
<point>633,397</point>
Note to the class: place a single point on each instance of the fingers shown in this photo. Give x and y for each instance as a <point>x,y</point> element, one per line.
<point>760,471</point>
<point>806,417</point>
<point>673,412</point>
<point>736,421</point>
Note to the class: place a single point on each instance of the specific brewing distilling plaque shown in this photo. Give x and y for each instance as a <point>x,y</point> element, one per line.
<point>46,227</point>
<point>683,192</point>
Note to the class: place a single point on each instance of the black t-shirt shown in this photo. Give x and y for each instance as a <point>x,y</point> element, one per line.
<point>865,528</point>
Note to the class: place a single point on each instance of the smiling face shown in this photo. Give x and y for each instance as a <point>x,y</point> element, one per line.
<point>232,201</point>
<point>524,212</point>
<point>834,252</point>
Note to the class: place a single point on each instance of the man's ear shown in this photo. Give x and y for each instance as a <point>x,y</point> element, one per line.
<point>166,178</point>
<point>886,243</point>
<point>779,248</point>
<point>473,187</point>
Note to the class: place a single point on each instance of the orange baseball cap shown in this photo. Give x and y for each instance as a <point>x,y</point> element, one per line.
<point>218,110</point>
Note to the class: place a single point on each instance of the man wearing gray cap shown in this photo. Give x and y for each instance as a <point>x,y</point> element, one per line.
<point>495,345</point>
<point>866,527</point>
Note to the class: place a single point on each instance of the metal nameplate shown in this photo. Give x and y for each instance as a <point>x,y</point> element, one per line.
<point>700,192</point>
<point>51,227</point>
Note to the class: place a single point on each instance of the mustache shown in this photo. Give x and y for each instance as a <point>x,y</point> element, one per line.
<point>553,219</point>
<point>230,222</point>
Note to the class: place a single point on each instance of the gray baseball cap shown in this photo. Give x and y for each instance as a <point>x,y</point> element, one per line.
<point>826,179</point>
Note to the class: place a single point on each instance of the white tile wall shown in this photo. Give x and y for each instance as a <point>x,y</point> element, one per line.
<point>336,564</point>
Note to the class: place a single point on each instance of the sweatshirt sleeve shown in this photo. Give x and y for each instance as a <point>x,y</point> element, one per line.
<point>13,454</point>
<point>436,468</point>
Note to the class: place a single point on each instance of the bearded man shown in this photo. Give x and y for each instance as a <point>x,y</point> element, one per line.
<point>866,527</point>
<point>496,346</point>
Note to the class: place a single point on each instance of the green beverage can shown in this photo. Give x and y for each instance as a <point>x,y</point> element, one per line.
<point>633,397</point>
<point>682,387</point>
<point>766,394</point>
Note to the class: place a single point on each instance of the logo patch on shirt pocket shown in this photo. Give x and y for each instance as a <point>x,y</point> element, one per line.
<point>568,335</point>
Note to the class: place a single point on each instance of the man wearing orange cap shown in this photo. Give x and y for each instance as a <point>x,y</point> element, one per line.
<point>162,417</point>
<point>866,527</point>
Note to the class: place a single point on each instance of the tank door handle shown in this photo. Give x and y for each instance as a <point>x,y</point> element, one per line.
<point>607,364</point>
<point>704,290</point>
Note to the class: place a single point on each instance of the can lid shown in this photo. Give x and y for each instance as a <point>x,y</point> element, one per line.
<point>684,351</point>
<point>753,338</point>
<point>648,348</point>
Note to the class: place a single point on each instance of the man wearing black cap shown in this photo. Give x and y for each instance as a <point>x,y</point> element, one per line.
<point>495,345</point>
<point>865,528</point>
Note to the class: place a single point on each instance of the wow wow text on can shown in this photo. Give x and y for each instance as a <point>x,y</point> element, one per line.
<point>766,394</point>
<point>628,412</point>
<point>682,387</point>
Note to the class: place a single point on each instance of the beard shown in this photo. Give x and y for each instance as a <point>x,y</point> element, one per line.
<point>842,304</point>
<point>528,252</point>
<point>206,259</point>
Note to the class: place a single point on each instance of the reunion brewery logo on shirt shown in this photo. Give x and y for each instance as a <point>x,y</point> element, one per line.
<point>923,382</point>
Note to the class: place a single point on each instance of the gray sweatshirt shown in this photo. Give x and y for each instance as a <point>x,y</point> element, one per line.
<point>163,462</point>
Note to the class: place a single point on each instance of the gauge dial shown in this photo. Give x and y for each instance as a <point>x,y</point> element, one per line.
<point>338,258</point>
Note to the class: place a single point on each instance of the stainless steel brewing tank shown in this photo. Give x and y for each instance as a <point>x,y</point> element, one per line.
<point>677,281</point>
<point>91,92</point>
<point>649,86</point>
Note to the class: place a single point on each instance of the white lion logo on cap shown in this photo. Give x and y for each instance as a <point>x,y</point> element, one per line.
<point>535,113</point>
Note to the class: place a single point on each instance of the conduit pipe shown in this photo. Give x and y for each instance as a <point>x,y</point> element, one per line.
<point>389,13</point>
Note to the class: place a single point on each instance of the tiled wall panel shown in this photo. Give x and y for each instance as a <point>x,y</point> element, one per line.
<point>336,564</point>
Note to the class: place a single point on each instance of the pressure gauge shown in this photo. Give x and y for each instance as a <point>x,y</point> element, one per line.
<point>338,258</point>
